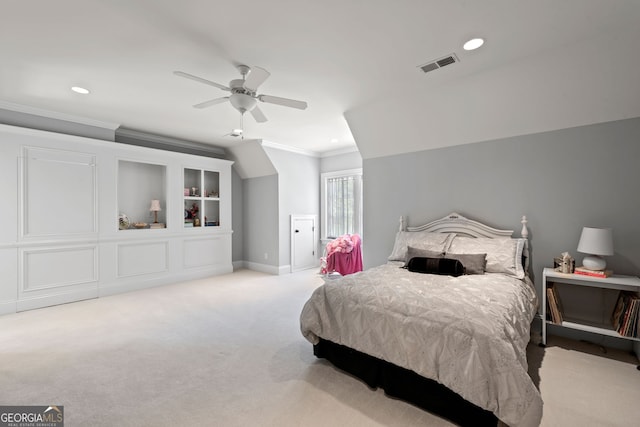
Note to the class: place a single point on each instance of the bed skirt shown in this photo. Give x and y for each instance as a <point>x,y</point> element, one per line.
<point>404,384</point>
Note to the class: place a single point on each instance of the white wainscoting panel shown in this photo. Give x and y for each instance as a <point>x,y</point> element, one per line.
<point>47,268</point>
<point>135,259</point>
<point>203,252</point>
<point>58,192</point>
<point>9,280</point>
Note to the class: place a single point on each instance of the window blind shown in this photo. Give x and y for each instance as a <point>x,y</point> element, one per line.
<point>344,205</point>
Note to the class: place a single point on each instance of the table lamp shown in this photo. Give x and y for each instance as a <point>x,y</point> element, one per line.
<point>596,243</point>
<point>155,207</point>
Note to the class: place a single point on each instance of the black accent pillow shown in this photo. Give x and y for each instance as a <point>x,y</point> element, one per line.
<point>443,266</point>
<point>413,252</point>
<point>473,263</point>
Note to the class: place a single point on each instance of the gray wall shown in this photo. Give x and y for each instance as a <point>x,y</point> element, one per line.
<point>260,220</point>
<point>237,223</point>
<point>562,180</point>
<point>298,190</point>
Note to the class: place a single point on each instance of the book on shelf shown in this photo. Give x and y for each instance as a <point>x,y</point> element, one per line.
<point>554,304</point>
<point>631,326</point>
<point>618,310</point>
<point>593,273</point>
<point>156,225</point>
<point>625,314</point>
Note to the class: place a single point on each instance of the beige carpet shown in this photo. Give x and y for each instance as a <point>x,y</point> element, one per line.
<point>227,351</point>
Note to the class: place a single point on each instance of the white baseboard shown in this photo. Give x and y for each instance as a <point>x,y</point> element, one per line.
<point>284,269</point>
<point>264,268</point>
<point>8,307</point>
<point>140,283</point>
<point>106,289</point>
<point>55,299</point>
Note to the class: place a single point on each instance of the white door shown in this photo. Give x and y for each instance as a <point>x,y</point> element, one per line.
<point>303,242</point>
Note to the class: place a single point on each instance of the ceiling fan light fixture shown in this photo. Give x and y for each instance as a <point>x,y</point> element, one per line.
<point>242,102</point>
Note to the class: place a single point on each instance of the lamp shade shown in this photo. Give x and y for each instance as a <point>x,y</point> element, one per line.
<point>155,206</point>
<point>596,241</point>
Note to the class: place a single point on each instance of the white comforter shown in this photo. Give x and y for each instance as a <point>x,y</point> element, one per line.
<point>468,333</point>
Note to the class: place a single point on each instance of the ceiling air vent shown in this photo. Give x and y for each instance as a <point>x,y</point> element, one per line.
<point>439,63</point>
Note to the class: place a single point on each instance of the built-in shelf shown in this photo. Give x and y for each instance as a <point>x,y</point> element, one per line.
<point>615,282</point>
<point>138,184</point>
<point>201,198</point>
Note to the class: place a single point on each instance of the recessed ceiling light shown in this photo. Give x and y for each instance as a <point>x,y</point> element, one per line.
<point>473,44</point>
<point>79,89</point>
<point>334,140</point>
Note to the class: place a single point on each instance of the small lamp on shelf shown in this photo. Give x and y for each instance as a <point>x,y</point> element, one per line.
<point>155,208</point>
<point>596,243</point>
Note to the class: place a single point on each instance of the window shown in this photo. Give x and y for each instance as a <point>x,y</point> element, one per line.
<point>341,201</point>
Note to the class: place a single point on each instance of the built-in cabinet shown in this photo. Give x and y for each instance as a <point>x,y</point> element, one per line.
<point>62,234</point>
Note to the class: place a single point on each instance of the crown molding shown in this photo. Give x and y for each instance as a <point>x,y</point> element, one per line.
<point>283,147</point>
<point>34,111</point>
<point>166,140</point>
<point>310,153</point>
<point>338,151</point>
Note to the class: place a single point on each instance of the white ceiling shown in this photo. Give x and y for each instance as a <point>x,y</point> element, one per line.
<point>545,65</point>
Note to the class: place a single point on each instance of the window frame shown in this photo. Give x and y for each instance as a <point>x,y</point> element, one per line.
<point>324,178</point>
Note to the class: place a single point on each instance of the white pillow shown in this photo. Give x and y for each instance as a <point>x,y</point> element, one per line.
<point>504,255</point>
<point>437,242</point>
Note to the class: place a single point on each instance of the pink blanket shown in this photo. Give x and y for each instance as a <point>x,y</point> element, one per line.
<point>344,254</point>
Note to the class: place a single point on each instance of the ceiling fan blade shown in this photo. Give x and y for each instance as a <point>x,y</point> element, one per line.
<point>211,102</point>
<point>301,105</point>
<point>255,78</point>
<point>201,80</point>
<point>258,115</point>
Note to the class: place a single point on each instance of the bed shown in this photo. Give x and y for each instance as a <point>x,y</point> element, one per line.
<point>454,345</point>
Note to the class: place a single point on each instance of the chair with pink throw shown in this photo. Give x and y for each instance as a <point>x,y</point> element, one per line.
<point>344,254</point>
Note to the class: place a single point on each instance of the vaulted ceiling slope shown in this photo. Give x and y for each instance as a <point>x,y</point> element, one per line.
<point>545,65</point>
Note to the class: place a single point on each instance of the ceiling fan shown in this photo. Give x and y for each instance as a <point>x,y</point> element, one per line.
<point>243,92</point>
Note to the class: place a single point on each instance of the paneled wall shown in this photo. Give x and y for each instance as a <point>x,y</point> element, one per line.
<point>60,239</point>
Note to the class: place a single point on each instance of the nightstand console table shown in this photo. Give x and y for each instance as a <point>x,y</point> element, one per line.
<point>616,282</point>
